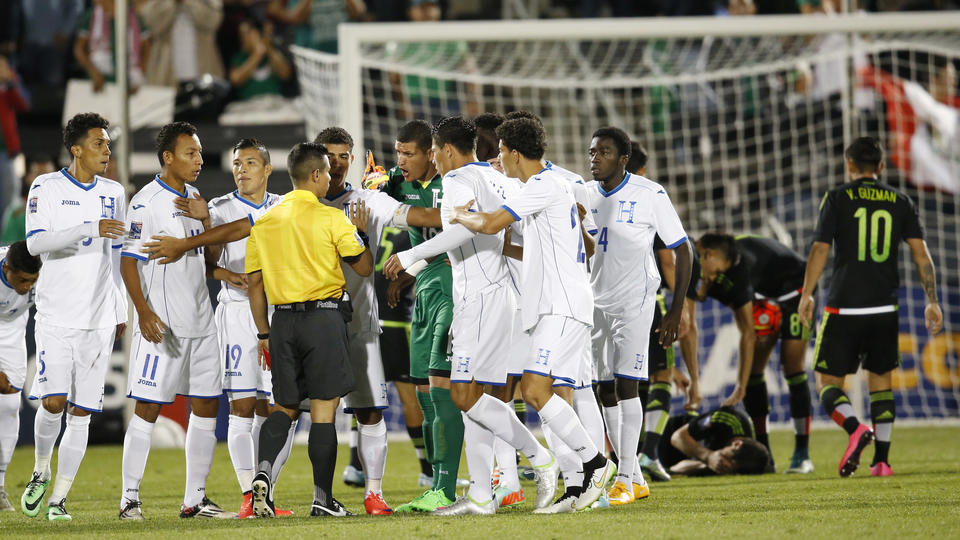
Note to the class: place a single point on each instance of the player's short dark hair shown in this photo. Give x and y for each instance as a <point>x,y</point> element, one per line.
<point>334,135</point>
<point>78,126</point>
<point>638,157</point>
<point>243,144</point>
<point>487,141</point>
<point>513,115</point>
<point>619,137</point>
<point>751,457</point>
<point>304,158</point>
<point>865,153</point>
<point>19,259</point>
<point>525,136</point>
<point>458,131</point>
<point>488,121</point>
<point>723,242</point>
<point>416,131</point>
<point>167,138</point>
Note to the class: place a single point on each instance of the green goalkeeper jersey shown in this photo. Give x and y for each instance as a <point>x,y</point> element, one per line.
<point>437,274</point>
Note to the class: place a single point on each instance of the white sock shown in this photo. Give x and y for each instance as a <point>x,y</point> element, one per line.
<point>611,416</point>
<point>588,410</point>
<point>9,429</point>
<point>478,449</point>
<point>559,415</point>
<point>201,441</point>
<point>136,448</point>
<point>500,419</point>
<point>73,446</point>
<point>240,445</point>
<point>46,429</point>
<point>283,455</point>
<point>372,442</point>
<point>255,432</point>
<point>507,462</point>
<point>631,422</point>
<point>569,461</point>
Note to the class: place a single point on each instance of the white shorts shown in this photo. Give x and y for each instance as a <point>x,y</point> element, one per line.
<point>370,391</point>
<point>13,351</point>
<point>237,335</point>
<point>626,343</point>
<point>159,372</point>
<point>481,337</point>
<point>72,362</point>
<point>557,346</point>
<point>518,348</point>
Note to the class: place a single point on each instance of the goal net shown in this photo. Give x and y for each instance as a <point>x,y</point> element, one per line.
<point>744,119</point>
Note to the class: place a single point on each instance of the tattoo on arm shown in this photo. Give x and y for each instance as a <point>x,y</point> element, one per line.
<point>929,280</point>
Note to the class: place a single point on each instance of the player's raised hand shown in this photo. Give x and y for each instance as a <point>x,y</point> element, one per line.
<point>151,327</point>
<point>166,248</point>
<point>359,215</point>
<point>111,228</point>
<point>934,318</point>
<point>459,211</point>
<point>805,310</point>
<point>392,267</point>
<point>195,207</point>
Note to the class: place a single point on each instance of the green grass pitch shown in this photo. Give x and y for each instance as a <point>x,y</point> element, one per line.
<point>921,500</point>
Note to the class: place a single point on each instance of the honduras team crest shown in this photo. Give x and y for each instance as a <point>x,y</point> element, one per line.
<point>32,205</point>
<point>136,228</point>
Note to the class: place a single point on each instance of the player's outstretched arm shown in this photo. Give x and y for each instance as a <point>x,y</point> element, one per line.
<point>258,308</point>
<point>816,262</point>
<point>46,241</point>
<point>424,217</point>
<point>744,318</point>
<point>169,249</point>
<point>482,222</point>
<point>450,238</point>
<point>928,277</point>
<point>151,327</point>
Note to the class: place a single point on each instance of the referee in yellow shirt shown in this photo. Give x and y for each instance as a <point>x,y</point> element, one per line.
<point>293,258</point>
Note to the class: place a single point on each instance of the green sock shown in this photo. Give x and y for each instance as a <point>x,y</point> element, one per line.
<point>429,414</point>
<point>448,441</point>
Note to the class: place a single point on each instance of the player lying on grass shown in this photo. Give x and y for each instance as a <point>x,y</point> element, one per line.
<point>720,441</point>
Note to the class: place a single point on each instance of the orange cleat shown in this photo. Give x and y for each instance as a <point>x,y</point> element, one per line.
<point>375,505</point>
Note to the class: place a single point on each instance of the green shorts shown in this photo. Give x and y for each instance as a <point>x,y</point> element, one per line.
<point>430,336</point>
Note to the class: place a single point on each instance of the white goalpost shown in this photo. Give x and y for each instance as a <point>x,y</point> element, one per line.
<point>744,118</point>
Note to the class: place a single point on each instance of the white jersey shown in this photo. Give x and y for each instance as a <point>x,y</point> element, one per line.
<point>227,209</point>
<point>579,193</point>
<point>479,262</point>
<point>14,307</point>
<point>554,279</point>
<point>79,286</point>
<point>176,292</point>
<point>363,295</point>
<point>624,272</point>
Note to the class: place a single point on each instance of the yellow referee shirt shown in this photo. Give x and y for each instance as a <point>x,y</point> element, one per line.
<point>297,245</point>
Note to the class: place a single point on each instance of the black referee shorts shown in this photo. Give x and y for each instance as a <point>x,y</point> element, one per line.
<point>308,350</point>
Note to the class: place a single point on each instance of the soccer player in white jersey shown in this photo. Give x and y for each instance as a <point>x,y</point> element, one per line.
<point>174,348</point>
<point>19,271</point>
<point>629,210</point>
<point>557,304</point>
<point>483,319</point>
<point>74,218</point>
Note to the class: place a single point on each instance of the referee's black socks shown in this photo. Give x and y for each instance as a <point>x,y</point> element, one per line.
<point>322,449</point>
<point>273,435</point>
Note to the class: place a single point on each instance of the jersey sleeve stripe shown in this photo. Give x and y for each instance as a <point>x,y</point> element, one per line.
<point>592,232</point>
<point>511,212</point>
<point>132,255</point>
<point>35,231</point>
<point>118,246</point>
<point>677,243</point>
<point>250,219</point>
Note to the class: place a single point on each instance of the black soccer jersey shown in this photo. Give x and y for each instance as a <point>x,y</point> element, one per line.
<point>866,220</point>
<point>765,266</point>
<point>694,271</point>
<point>716,428</point>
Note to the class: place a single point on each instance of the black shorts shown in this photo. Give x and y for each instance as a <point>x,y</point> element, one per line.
<point>790,325</point>
<point>309,357</point>
<point>660,358</point>
<point>845,342</point>
<point>395,351</point>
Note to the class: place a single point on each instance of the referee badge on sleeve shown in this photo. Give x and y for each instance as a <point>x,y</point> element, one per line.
<point>136,228</point>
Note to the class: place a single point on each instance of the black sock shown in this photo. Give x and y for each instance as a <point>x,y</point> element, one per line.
<point>800,408</point>
<point>883,411</point>
<point>273,435</point>
<point>837,405</point>
<point>643,392</point>
<point>757,403</point>
<point>597,462</point>
<point>322,449</point>
<point>354,450</point>
<point>658,399</point>
<point>520,408</point>
<point>416,436</point>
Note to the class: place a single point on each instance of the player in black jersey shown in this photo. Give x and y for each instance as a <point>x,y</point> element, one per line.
<point>866,220</point>
<point>735,270</point>
<point>717,442</point>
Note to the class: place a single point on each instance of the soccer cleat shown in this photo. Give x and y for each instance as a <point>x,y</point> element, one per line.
<point>881,468</point>
<point>594,485</point>
<point>640,491</point>
<point>33,495</point>
<point>800,466</point>
<point>620,494</point>
<point>280,512</point>
<point>334,509</point>
<point>428,501</point>
<point>526,473</point>
<point>563,505</point>
<point>425,481</point>
<point>262,496</point>
<point>131,511</point>
<point>5,505</point>
<point>507,498</point>
<point>495,478</point>
<point>654,468</point>
<point>353,476</point>
<point>465,506</point>
<point>206,509</point>
<point>600,504</point>
<point>859,439</point>
<point>57,512</point>
<point>546,477</point>
<point>375,505</point>
<point>246,507</point>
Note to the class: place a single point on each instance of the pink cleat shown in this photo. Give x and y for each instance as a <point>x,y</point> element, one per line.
<point>881,469</point>
<point>859,439</point>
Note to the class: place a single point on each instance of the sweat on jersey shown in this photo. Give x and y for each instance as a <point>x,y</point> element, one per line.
<point>176,292</point>
<point>80,285</point>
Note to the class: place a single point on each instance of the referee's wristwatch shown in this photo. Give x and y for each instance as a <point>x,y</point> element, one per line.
<point>263,336</point>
